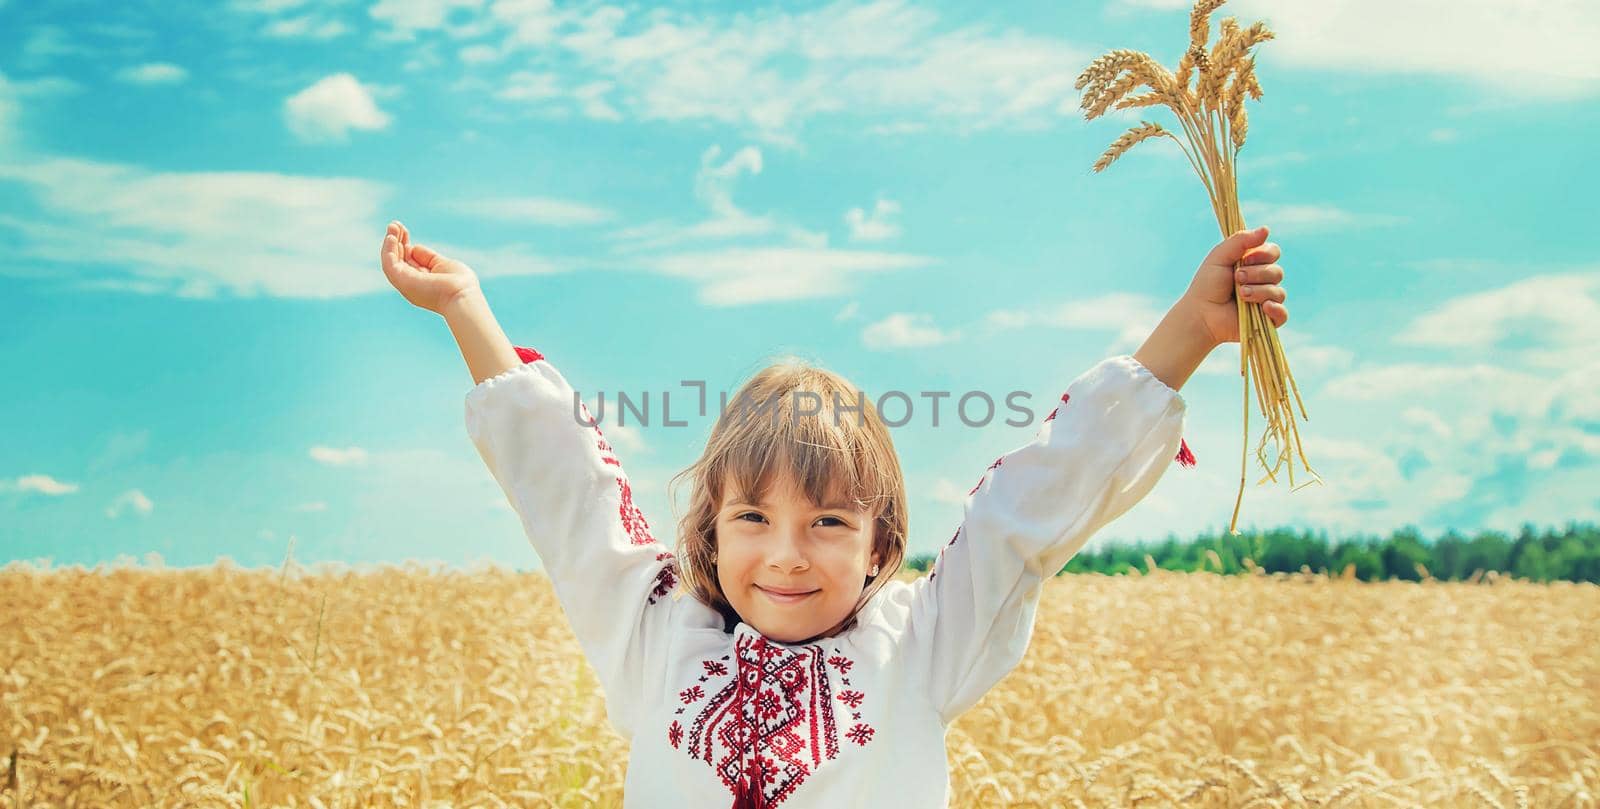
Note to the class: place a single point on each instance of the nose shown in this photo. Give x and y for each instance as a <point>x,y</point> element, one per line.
<point>787,551</point>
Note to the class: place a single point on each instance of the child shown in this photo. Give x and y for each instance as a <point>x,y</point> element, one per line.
<point>800,672</point>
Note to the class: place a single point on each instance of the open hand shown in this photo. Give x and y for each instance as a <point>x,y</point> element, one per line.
<point>424,277</point>
<point>1211,296</point>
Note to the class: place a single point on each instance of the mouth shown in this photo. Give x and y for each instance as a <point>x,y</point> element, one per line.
<point>785,598</point>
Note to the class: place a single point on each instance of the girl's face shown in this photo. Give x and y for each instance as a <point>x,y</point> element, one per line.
<point>788,545</point>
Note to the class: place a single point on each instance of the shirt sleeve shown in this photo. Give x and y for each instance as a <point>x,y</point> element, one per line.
<point>1101,450</point>
<point>611,576</point>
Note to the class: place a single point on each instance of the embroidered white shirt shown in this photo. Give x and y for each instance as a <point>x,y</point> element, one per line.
<point>858,719</point>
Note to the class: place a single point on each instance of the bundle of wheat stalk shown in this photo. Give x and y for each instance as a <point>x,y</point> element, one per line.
<point>1207,95</point>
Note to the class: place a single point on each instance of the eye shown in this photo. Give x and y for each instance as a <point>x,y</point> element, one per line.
<point>838,523</point>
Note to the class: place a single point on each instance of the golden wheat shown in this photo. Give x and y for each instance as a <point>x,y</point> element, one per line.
<point>128,687</point>
<point>1214,123</point>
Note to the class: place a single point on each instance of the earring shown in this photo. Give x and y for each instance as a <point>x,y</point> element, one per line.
<point>713,556</point>
<point>874,571</point>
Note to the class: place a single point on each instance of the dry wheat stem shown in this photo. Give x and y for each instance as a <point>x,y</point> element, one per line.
<point>1215,125</point>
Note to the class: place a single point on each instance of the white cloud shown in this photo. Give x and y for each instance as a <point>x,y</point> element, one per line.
<point>194,234</point>
<point>497,262</point>
<point>266,6</point>
<point>8,112</point>
<point>537,210</point>
<point>1550,310</point>
<point>203,234</point>
<point>713,188</point>
<point>532,22</point>
<point>739,276</point>
<point>44,87</point>
<point>43,484</point>
<point>307,26</point>
<point>948,491</point>
<point>714,183</point>
<point>1307,358</point>
<point>331,456</point>
<point>848,312</point>
<point>1517,428</point>
<point>1130,317</point>
<point>1428,419</point>
<point>873,227</point>
<point>1110,311</point>
<point>330,108</point>
<point>313,506</point>
<point>525,85</point>
<point>153,73</point>
<point>479,54</point>
<point>767,72</point>
<point>1302,218</point>
<point>407,16</point>
<point>132,500</point>
<point>1520,48</point>
<point>905,330</point>
<point>592,102</point>
<point>1407,380</point>
<point>46,42</point>
<point>119,448</point>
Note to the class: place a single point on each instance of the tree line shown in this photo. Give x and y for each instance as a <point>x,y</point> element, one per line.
<point>1550,554</point>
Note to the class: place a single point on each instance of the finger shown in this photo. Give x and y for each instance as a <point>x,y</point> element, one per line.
<point>1269,274</point>
<point>1277,313</point>
<point>390,255</point>
<point>405,245</point>
<point>1260,294</point>
<point>1265,254</point>
<point>1228,252</point>
<point>425,257</point>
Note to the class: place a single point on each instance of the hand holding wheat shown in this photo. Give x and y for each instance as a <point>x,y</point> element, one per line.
<point>1206,93</point>
<point>1244,258</point>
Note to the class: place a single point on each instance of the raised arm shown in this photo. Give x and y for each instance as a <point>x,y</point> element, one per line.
<point>483,343</point>
<point>449,288</point>
<point>562,478</point>
<point>1114,432</point>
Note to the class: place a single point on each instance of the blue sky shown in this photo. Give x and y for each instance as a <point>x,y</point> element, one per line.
<point>199,355</point>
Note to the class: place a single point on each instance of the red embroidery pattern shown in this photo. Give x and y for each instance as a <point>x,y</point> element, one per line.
<point>985,475</point>
<point>1064,399</point>
<point>860,734</point>
<point>632,517</point>
<point>666,578</point>
<point>934,568</point>
<point>772,723</point>
<point>633,520</point>
<point>1185,455</point>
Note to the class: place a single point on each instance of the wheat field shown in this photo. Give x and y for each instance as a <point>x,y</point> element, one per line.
<point>418,686</point>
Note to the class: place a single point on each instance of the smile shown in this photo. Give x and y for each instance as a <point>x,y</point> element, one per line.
<point>783,599</point>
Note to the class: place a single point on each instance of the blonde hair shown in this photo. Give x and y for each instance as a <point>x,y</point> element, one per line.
<point>842,449</point>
